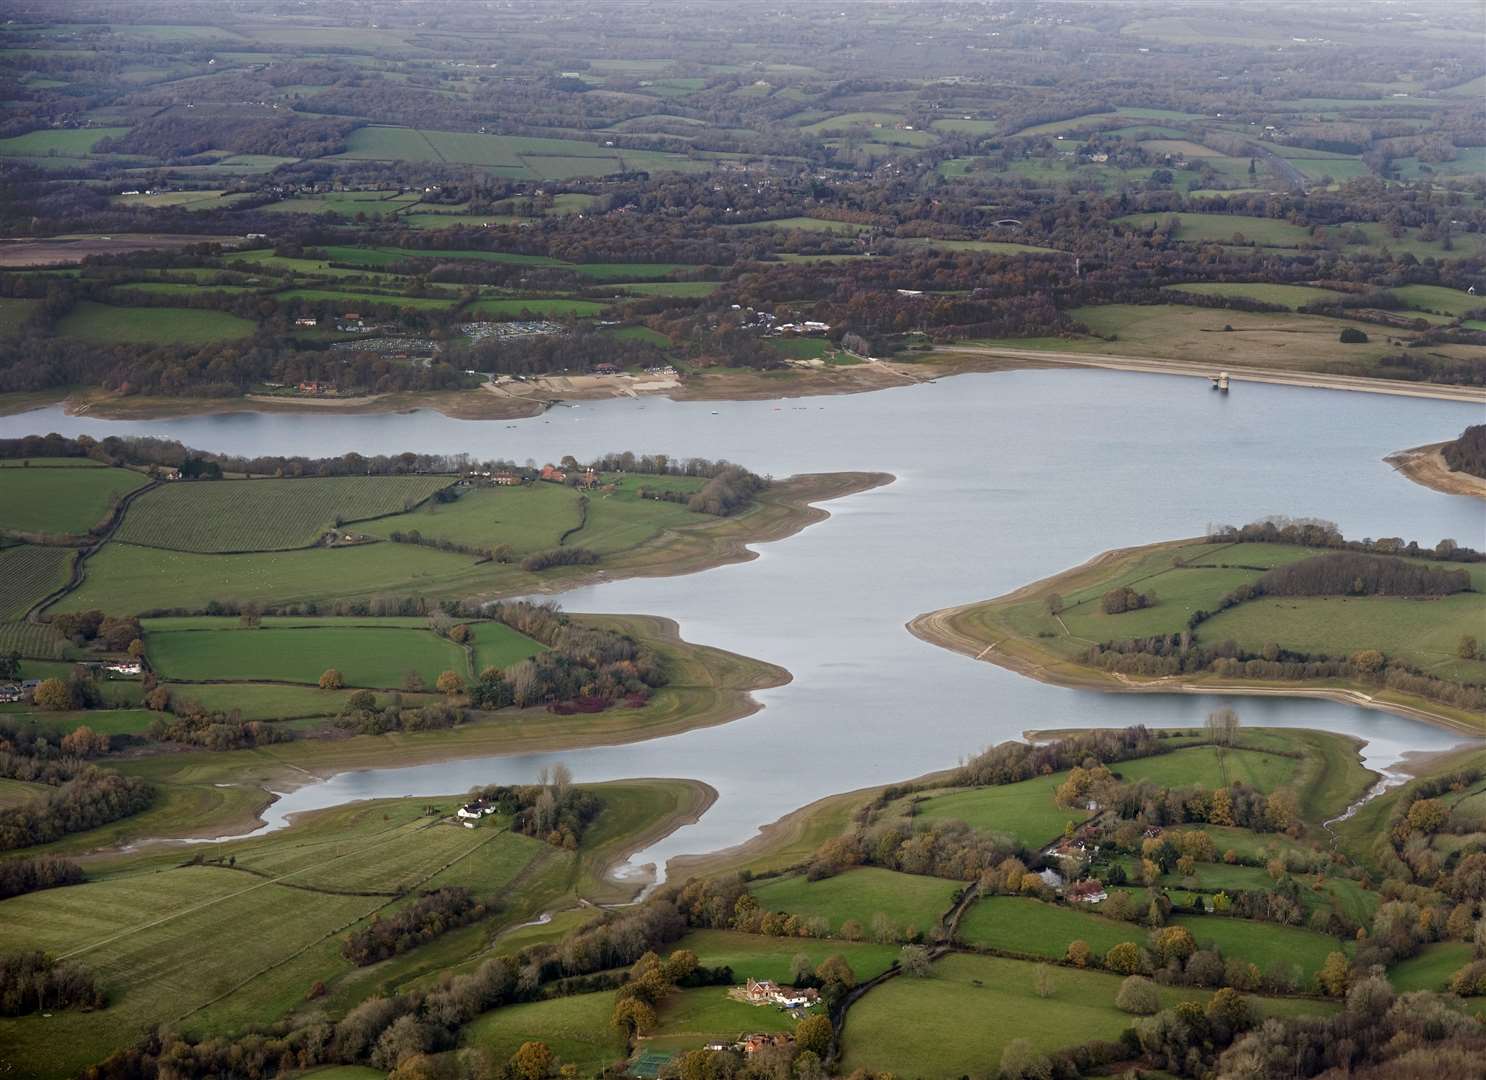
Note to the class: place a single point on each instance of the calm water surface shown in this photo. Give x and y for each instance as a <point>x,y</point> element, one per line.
<point>1002,479</point>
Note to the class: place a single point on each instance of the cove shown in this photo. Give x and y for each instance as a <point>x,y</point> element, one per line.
<point>1001,479</point>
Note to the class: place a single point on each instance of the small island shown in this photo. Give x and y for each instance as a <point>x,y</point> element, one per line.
<point>1279,606</point>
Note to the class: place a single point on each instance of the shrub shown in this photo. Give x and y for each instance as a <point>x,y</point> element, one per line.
<point>1124,958</point>
<point>1137,995</point>
<point>1352,336</point>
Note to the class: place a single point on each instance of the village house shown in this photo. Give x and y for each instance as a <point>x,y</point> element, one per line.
<point>314,387</point>
<point>506,479</point>
<point>605,369</point>
<point>768,992</point>
<point>752,1044</point>
<point>123,667</point>
<point>306,322</point>
<point>10,692</point>
<point>553,475</point>
<point>477,809</point>
<point>169,472</point>
<point>1088,891</point>
<point>588,479</point>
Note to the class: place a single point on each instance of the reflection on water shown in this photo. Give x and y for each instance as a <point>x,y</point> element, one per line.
<point>1001,479</point>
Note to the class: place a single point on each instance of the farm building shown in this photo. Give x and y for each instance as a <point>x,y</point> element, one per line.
<point>477,809</point>
<point>306,322</point>
<point>752,1044</point>
<point>506,479</point>
<point>553,475</point>
<point>10,692</point>
<point>123,667</point>
<point>768,992</point>
<point>605,369</point>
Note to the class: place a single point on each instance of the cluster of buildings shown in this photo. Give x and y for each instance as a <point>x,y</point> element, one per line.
<point>752,1044</point>
<point>18,691</point>
<point>768,992</point>
<point>474,811</point>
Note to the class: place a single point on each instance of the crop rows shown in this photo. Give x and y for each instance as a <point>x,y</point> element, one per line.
<point>265,515</point>
<point>35,640</point>
<point>30,572</point>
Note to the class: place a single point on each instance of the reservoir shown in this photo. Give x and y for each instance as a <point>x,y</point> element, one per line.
<point>1001,479</point>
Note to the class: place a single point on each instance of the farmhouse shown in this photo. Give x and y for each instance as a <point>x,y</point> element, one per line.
<point>768,992</point>
<point>123,667</point>
<point>1086,892</point>
<point>506,479</point>
<point>553,475</point>
<point>170,472</point>
<point>306,322</point>
<point>477,809</point>
<point>588,479</point>
<point>752,1044</point>
<point>605,369</point>
<point>313,387</point>
<point>10,692</point>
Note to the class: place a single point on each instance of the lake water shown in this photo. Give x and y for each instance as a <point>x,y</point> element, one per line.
<point>1001,479</point>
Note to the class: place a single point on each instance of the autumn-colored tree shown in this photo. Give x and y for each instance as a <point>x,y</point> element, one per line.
<point>1124,958</point>
<point>835,969</point>
<point>1078,953</point>
<point>1043,984</point>
<point>1333,974</point>
<point>136,648</point>
<point>533,1061</point>
<point>52,695</point>
<point>1466,648</point>
<point>85,742</point>
<point>1428,815</point>
<point>633,1017</point>
<point>1173,943</point>
<point>449,683</point>
<point>330,679</point>
<point>158,699</point>
<point>914,960</point>
<point>814,1034</point>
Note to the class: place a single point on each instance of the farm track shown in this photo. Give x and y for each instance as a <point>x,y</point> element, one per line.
<point>79,572</point>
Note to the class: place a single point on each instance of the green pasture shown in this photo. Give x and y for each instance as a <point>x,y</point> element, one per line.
<point>365,656</point>
<point>576,1028</point>
<point>532,517</point>
<point>957,1022</point>
<point>755,956</point>
<point>1431,968</point>
<point>1208,767</point>
<point>366,299</point>
<point>1453,302</point>
<point>1267,945</point>
<point>109,324</point>
<point>1025,810</point>
<point>1291,296</point>
<point>908,900</point>
<point>55,142</point>
<point>126,577</point>
<point>275,701</point>
<point>534,307</point>
<point>682,289</point>
<point>1020,924</point>
<point>62,500</point>
<point>265,514</point>
<point>691,1018</point>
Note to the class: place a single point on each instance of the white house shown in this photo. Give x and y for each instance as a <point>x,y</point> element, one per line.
<point>476,810</point>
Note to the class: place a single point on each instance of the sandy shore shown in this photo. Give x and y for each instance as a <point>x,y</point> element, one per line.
<point>1426,465</point>
<point>1152,366</point>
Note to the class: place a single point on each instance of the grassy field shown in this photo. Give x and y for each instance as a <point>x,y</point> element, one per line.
<point>106,324</point>
<point>1266,944</point>
<point>1454,302</point>
<point>1205,766</point>
<point>529,518</point>
<point>670,288</point>
<point>1431,968</point>
<point>957,1022</point>
<point>265,515</point>
<point>1025,810</point>
<point>754,956</point>
<point>365,656</point>
<point>692,1018</point>
<point>576,1028</point>
<point>908,900</point>
<point>1291,296</point>
<point>1019,924</point>
<point>1419,632</point>
<point>214,948</point>
<point>62,500</point>
<point>534,307</point>
<point>70,142</point>
<point>30,573</point>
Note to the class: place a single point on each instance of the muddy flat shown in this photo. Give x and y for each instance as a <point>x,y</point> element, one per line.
<point>67,250</point>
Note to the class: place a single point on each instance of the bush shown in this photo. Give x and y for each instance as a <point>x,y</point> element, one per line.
<point>1352,336</point>
<point>1137,995</point>
<point>1124,958</point>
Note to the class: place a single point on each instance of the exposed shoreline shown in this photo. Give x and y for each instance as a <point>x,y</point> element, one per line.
<point>1238,373</point>
<point>942,628</point>
<point>1426,465</point>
